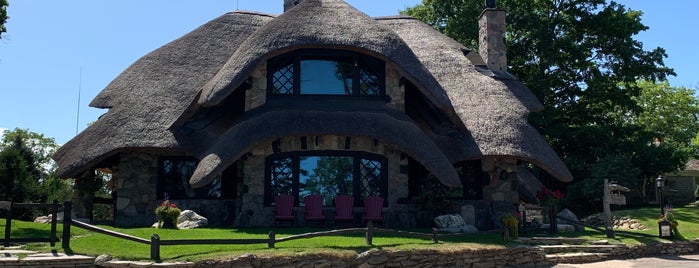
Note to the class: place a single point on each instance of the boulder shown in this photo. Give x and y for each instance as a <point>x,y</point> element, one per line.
<point>571,220</point>
<point>189,219</point>
<point>453,223</point>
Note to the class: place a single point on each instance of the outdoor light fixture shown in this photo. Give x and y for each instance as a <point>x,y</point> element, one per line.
<point>490,4</point>
<point>660,183</point>
<point>663,225</point>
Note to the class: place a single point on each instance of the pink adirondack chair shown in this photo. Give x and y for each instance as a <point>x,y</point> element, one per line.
<point>343,209</point>
<point>284,209</point>
<point>373,209</point>
<point>314,209</point>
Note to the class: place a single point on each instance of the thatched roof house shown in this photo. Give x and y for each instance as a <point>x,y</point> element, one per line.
<point>225,106</point>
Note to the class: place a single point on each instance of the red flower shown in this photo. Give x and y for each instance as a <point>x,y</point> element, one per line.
<point>173,205</point>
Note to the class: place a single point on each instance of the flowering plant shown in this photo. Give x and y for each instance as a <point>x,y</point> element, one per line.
<point>668,217</point>
<point>167,212</point>
<point>434,196</point>
<point>512,223</point>
<point>549,197</point>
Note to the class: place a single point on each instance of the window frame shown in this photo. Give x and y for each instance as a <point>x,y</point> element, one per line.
<point>356,156</point>
<point>360,61</point>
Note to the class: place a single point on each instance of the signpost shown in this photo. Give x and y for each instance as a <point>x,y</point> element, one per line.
<point>612,196</point>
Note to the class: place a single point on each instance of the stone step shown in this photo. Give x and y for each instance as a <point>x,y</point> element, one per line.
<point>550,249</point>
<point>580,257</point>
<point>25,258</point>
<point>552,240</point>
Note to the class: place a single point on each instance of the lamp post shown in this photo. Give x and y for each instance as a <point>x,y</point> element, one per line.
<point>660,183</point>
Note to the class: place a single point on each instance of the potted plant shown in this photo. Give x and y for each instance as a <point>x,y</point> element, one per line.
<point>167,214</point>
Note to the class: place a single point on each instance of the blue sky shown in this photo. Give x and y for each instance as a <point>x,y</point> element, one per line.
<point>54,50</point>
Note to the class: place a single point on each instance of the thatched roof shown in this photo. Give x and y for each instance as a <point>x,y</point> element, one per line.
<point>152,93</point>
<point>151,99</point>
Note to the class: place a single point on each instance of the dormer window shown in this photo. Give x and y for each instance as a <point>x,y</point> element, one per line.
<point>325,72</point>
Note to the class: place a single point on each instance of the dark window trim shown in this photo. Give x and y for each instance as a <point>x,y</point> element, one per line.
<point>294,58</point>
<point>357,157</point>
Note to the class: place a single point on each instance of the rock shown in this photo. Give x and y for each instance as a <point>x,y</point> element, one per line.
<point>447,221</point>
<point>103,258</point>
<point>453,223</point>
<point>571,219</point>
<point>43,219</point>
<point>189,219</point>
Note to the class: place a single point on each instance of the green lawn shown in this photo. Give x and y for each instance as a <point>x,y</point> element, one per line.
<point>90,243</point>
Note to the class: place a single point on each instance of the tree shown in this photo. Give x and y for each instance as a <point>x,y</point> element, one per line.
<point>27,168</point>
<point>3,16</point>
<point>580,58</point>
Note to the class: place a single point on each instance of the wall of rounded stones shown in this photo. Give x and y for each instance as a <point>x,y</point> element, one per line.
<point>467,258</point>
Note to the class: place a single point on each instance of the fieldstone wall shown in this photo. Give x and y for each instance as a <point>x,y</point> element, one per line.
<point>136,197</point>
<point>254,170</point>
<point>467,258</point>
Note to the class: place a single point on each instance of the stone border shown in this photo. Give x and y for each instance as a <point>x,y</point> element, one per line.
<point>519,256</point>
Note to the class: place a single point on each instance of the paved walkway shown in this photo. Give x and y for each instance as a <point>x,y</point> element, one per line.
<point>667,261</point>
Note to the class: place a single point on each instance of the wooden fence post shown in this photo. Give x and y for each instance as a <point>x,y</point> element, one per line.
<point>435,235</point>
<point>272,237</point>
<point>54,219</point>
<point>8,224</point>
<point>155,247</point>
<point>67,220</point>
<point>370,233</point>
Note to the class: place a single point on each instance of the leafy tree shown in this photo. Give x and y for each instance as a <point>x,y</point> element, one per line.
<point>18,173</point>
<point>26,166</point>
<point>671,112</point>
<point>3,16</point>
<point>580,58</point>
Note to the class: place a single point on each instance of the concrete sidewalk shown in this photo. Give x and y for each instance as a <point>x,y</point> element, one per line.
<point>665,261</point>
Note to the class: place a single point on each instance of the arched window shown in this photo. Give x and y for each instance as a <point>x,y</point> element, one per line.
<point>325,173</point>
<point>325,72</point>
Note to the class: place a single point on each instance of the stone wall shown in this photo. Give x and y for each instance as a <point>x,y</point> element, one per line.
<point>467,258</point>
<point>136,197</point>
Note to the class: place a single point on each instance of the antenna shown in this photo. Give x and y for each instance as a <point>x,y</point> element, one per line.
<point>80,84</point>
<point>237,4</point>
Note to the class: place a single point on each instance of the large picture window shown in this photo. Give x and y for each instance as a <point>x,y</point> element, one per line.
<point>173,180</point>
<point>326,72</point>
<point>327,174</point>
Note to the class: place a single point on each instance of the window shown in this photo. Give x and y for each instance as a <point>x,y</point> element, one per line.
<point>326,72</point>
<point>173,180</point>
<point>327,174</point>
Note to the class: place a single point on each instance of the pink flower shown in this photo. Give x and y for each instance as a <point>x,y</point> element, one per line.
<point>173,205</point>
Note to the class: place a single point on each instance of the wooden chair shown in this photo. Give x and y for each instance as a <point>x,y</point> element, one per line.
<point>373,209</point>
<point>314,210</point>
<point>284,209</point>
<point>343,209</point>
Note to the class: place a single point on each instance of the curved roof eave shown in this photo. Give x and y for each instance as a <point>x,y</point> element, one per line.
<point>322,24</point>
<point>271,124</point>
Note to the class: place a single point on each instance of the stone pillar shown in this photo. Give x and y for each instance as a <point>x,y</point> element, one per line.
<point>491,45</point>
<point>504,183</point>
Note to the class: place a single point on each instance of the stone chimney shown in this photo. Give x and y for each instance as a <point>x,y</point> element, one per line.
<point>288,4</point>
<point>491,35</point>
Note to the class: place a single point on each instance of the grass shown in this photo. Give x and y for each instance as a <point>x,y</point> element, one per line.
<point>90,243</point>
